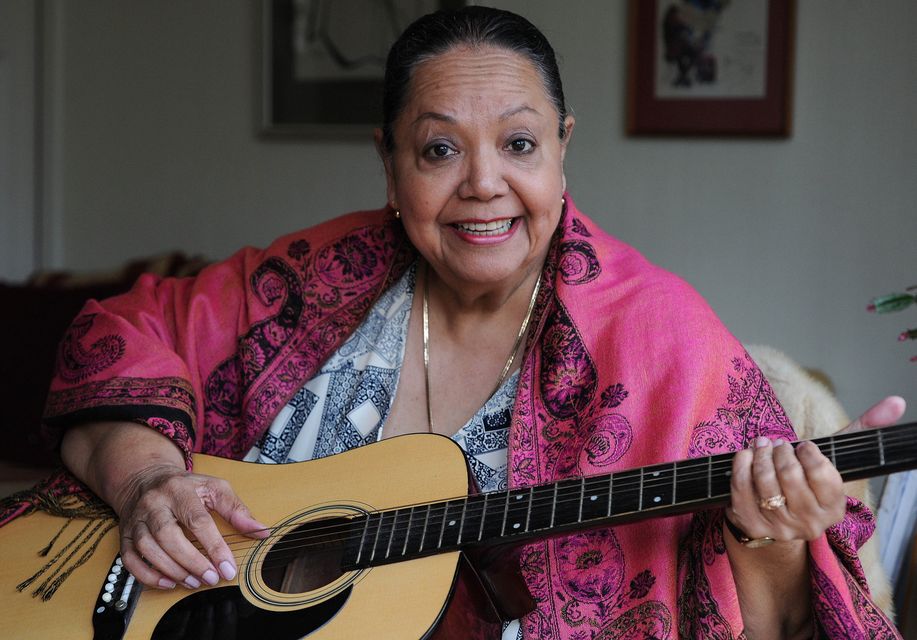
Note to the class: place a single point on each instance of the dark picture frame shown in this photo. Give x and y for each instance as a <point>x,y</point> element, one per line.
<point>328,104</point>
<point>678,87</point>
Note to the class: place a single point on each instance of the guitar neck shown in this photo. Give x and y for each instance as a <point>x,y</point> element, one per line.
<point>580,503</point>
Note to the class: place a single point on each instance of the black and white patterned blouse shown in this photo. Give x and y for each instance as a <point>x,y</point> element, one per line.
<point>345,405</point>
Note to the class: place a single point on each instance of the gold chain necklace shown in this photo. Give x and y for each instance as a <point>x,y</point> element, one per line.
<point>426,341</point>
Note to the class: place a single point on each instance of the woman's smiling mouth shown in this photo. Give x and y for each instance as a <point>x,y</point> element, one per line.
<point>484,229</point>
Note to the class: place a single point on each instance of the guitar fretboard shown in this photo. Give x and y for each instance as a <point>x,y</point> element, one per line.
<point>578,503</point>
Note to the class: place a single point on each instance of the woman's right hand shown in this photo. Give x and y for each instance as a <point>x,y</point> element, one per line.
<point>163,502</point>
<point>141,474</point>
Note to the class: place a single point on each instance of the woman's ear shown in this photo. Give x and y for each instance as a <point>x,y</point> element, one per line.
<point>569,121</point>
<point>386,159</point>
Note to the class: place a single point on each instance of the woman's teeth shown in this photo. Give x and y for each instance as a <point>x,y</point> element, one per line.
<point>493,228</point>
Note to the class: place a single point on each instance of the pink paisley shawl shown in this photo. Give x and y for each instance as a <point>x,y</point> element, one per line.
<point>626,367</point>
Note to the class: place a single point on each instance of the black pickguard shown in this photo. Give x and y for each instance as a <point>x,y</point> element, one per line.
<point>224,614</point>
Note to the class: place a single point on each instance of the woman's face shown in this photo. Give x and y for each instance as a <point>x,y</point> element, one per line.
<point>477,167</point>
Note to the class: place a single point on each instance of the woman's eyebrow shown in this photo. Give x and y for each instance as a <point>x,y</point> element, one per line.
<point>433,115</point>
<point>509,113</point>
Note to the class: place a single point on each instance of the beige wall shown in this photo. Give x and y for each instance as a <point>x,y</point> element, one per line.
<point>151,146</point>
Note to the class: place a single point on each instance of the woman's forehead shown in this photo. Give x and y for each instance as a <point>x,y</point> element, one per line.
<point>488,77</point>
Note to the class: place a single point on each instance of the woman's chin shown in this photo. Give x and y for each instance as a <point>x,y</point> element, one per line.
<point>494,273</point>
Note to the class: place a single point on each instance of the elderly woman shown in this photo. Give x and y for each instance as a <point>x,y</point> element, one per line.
<point>482,305</point>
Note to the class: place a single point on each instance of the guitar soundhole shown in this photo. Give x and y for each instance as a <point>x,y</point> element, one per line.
<point>308,557</point>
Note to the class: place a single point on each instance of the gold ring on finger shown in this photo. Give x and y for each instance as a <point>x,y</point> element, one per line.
<point>773,503</point>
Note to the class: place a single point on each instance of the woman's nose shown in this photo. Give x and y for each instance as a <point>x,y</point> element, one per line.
<point>484,177</point>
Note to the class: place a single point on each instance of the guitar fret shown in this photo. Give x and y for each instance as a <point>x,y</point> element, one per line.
<point>640,497</point>
<point>442,529</point>
<point>833,452</point>
<point>881,444</point>
<point>582,498</point>
<point>401,531</point>
<point>436,520</point>
<point>390,522</point>
<point>611,481</point>
<point>407,535</point>
<point>709,476</point>
<point>722,484</point>
<point>362,538</point>
<point>391,535</point>
<point>505,513</point>
<point>483,517</point>
<point>528,511</point>
<point>462,521</point>
<point>553,506</point>
<point>426,521</point>
<point>372,555</point>
<point>674,483</point>
<point>471,518</point>
<point>874,454</point>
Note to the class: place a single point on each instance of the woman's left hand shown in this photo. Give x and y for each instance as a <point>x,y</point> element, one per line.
<point>788,493</point>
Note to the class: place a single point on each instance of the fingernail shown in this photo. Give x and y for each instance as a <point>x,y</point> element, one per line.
<point>165,583</point>
<point>191,582</point>
<point>210,577</point>
<point>228,571</point>
<point>762,441</point>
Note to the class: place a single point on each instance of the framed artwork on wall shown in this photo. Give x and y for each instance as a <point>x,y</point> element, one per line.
<point>323,62</point>
<point>710,67</point>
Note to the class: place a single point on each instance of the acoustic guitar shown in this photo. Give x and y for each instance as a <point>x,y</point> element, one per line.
<point>371,543</point>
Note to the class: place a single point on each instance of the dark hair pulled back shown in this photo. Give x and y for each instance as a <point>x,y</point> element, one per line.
<point>473,26</point>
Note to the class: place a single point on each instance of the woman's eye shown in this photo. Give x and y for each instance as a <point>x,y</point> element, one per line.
<point>439,150</point>
<point>521,145</point>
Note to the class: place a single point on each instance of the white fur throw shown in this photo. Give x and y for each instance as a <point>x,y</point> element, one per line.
<point>814,411</point>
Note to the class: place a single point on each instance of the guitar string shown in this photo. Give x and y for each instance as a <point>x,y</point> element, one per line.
<point>649,481</point>
<point>394,557</point>
<point>395,549</point>
<point>575,484</point>
<point>847,447</point>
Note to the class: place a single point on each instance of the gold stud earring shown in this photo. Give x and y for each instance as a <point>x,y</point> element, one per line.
<point>397,214</point>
